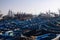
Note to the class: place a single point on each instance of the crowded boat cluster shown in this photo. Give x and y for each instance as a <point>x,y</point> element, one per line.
<point>23,26</point>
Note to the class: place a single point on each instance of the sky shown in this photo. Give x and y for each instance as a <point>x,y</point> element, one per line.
<point>29,6</point>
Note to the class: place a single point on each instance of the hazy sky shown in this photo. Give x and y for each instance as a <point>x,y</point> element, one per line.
<point>29,6</point>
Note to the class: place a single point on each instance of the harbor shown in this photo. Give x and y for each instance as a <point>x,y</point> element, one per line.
<point>22,26</point>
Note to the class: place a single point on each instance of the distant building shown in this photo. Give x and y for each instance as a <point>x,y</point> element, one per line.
<point>10,13</point>
<point>48,14</point>
<point>23,16</point>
